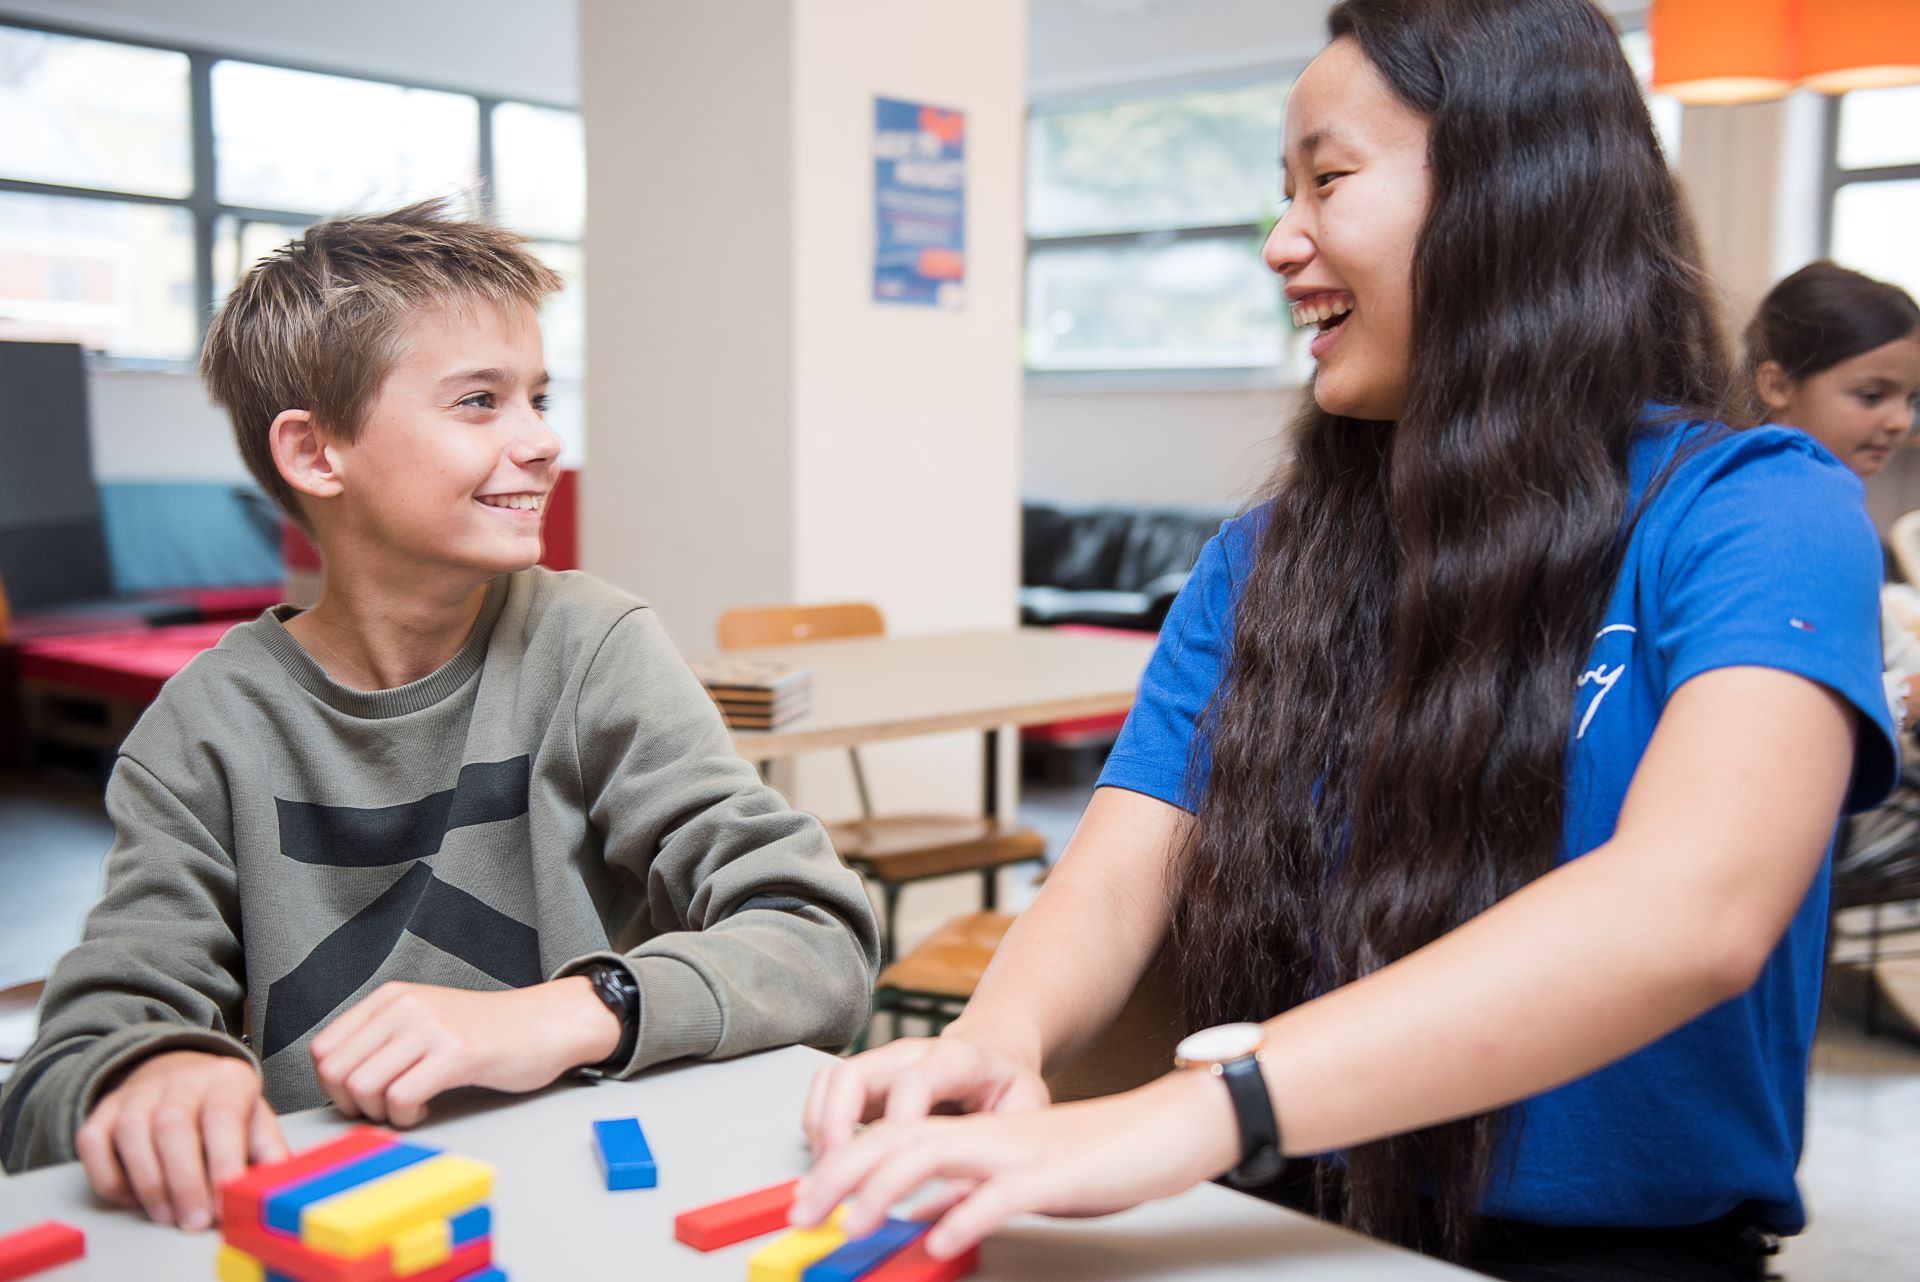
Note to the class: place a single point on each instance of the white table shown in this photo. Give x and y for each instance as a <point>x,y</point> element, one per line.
<point>718,1130</point>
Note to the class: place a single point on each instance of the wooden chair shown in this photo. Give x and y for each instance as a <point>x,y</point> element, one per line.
<point>937,977</point>
<point>889,850</point>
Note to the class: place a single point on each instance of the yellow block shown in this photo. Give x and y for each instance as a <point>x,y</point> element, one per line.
<point>787,1256</point>
<point>421,1247</point>
<point>235,1265</point>
<point>360,1221</point>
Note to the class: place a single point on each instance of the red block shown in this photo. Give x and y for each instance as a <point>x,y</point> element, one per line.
<point>241,1199</point>
<point>283,1254</point>
<point>40,1247</point>
<point>915,1265</point>
<point>708,1228</point>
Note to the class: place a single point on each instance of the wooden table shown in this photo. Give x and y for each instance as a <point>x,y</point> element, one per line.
<point>718,1130</point>
<point>867,689</point>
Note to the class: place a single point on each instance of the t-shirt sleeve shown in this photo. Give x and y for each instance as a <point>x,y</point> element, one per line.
<point>1154,752</point>
<point>1775,564</point>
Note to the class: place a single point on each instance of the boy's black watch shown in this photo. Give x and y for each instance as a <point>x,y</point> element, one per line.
<point>1231,1052</point>
<point>614,985</point>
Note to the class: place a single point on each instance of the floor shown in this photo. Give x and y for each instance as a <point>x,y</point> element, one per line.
<point>1860,1172</point>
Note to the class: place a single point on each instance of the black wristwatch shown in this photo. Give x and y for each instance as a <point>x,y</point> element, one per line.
<point>1231,1052</point>
<point>614,985</point>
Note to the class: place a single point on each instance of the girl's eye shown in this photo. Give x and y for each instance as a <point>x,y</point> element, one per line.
<point>541,402</point>
<point>478,401</point>
<point>1321,180</point>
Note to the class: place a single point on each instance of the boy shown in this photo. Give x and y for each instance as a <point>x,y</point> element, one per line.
<point>354,841</point>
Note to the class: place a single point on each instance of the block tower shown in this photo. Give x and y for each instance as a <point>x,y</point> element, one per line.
<point>366,1207</point>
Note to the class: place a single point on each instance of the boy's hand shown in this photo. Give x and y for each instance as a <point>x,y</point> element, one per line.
<point>176,1128</point>
<point>388,1056</point>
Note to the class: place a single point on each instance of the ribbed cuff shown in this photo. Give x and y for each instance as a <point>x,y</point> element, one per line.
<point>680,1018</point>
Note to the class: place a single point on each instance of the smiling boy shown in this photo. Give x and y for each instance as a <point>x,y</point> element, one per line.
<point>464,822</point>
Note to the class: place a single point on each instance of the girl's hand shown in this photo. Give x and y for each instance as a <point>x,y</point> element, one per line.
<point>904,1080</point>
<point>1089,1158</point>
<point>388,1056</point>
<point>176,1128</point>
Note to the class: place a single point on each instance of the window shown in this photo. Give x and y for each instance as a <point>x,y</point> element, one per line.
<point>1873,182</point>
<point>1145,220</point>
<point>116,232</point>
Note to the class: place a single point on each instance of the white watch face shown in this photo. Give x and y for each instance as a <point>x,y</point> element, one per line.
<point>1220,1043</point>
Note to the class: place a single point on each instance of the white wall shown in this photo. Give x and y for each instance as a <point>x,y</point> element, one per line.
<point>1153,446</point>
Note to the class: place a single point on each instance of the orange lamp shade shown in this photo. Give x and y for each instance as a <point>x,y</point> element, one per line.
<point>1859,44</point>
<point>1722,51</point>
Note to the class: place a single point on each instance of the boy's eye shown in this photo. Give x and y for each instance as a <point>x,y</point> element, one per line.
<point>478,401</point>
<point>541,402</point>
<point>1321,180</point>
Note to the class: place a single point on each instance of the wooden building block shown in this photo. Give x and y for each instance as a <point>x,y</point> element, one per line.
<point>41,1247</point>
<point>360,1221</point>
<point>241,1198</point>
<point>718,1224</point>
<point>786,1257</point>
<point>625,1160</point>
<point>419,1248</point>
<point>282,1208</point>
<point>862,1256</point>
<point>235,1265</point>
<point>915,1265</point>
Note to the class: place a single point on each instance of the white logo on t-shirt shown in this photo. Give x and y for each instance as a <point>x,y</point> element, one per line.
<point>1602,676</point>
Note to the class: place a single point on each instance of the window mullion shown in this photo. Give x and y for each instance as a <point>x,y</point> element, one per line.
<point>205,200</point>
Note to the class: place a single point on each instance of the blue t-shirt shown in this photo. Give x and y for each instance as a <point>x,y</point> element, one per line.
<point>1756,551</point>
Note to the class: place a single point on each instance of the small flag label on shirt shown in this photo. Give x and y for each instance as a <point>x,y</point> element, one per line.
<point>1801,624</point>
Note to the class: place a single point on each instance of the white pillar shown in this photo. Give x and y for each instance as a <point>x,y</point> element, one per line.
<point>762,430</point>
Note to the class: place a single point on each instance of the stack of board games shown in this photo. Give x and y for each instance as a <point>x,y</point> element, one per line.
<point>757,694</point>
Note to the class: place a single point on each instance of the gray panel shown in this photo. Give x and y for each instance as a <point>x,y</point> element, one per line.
<point>46,457</point>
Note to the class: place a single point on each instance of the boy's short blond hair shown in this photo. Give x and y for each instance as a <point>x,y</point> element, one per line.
<point>316,325</point>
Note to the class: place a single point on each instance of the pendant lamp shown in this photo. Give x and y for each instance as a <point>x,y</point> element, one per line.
<point>1859,44</point>
<point>1725,51</point>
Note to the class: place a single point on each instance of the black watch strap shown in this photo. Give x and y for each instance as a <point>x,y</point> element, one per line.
<point>614,985</point>
<point>1260,1157</point>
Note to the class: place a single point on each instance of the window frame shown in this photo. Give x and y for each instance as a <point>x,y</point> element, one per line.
<point>202,201</point>
<point>1835,177</point>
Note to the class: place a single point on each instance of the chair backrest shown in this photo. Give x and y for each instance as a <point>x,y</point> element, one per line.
<point>1906,546</point>
<point>786,624</point>
<point>53,541</point>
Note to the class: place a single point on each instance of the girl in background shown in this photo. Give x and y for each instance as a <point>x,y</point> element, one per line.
<point>1837,355</point>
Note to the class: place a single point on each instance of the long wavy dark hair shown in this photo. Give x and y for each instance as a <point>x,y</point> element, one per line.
<point>1388,748</point>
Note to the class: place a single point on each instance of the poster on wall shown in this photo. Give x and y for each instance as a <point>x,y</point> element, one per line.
<point>919,204</point>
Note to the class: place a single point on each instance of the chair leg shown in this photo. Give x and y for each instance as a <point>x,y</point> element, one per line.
<point>1873,972</point>
<point>990,889</point>
<point>890,911</point>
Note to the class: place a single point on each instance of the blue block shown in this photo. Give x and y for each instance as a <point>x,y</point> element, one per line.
<point>283,1208</point>
<point>863,1255</point>
<point>471,1226</point>
<point>277,1277</point>
<point>485,1275</point>
<point>624,1156</point>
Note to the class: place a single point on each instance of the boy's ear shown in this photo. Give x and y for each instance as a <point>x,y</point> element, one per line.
<point>1775,389</point>
<point>301,453</point>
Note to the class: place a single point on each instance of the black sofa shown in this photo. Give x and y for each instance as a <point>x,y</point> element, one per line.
<point>1109,566</point>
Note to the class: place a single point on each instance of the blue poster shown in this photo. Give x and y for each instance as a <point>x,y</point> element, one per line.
<point>919,204</point>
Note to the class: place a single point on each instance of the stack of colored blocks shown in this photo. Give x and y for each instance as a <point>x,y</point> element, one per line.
<point>892,1253</point>
<point>363,1208</point>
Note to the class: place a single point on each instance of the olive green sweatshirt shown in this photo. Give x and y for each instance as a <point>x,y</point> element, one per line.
<point>561,790</point>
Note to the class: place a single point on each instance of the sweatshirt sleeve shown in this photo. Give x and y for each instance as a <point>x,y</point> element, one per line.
<point>763,937</point>
<point>158,968</point>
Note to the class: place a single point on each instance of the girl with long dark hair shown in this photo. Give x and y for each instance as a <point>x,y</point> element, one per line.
<point>1487,771</point>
